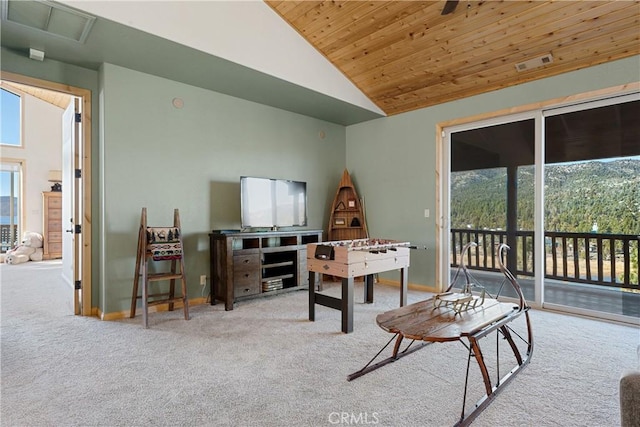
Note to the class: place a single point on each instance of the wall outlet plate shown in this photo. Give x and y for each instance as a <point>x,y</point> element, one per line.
<point>203,279</point>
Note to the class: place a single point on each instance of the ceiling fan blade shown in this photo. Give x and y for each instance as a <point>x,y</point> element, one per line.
<point>449,7</point>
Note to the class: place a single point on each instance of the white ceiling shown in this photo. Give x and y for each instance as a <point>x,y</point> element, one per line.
<point>246,32</point>
<point>239,48</point>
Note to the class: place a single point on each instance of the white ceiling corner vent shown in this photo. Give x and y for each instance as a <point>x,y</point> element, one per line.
<point>49,17</point>
<point>534,63</point>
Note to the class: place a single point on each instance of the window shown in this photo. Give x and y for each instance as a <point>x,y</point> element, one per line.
<point>10,108</point>
<point>10,202</point>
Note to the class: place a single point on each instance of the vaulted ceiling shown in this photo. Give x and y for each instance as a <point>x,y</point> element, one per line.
<point>55,98</point>
<point>402,55</point>
<point>406,55</point>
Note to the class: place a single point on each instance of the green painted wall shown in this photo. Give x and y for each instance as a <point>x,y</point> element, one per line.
<point>161,157</point>
<point>392,160</point>
<point>148,153</point>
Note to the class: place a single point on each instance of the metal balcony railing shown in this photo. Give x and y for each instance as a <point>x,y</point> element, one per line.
<point>8,237</point>
<point>599,259</point>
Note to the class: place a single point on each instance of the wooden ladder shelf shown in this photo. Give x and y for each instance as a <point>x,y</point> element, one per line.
<point>159,245</point>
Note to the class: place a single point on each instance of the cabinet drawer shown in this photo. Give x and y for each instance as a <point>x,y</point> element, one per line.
<point>55,225</point>
<point>246,275</point>
<point>55,236</point>
<point>55,202</point>
<point>246,289</point>
<point>55,247</point>
<point>55,214</point>
<point>246,263</point>
<point>242,278</point>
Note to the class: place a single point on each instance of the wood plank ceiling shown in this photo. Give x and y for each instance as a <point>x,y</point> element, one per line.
<point>406,55</point>
<point>56,98</point>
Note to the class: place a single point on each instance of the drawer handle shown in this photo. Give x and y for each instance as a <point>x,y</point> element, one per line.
<point>246,274</point>
<point>246,261</point>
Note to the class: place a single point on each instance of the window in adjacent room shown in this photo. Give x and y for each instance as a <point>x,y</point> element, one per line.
<point>10,109</point>
<point>10,198</point>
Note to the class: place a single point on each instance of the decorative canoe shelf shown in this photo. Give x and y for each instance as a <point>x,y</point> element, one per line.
<point>347,221</point>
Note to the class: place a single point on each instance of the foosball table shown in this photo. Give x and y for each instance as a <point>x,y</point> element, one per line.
<point>349,259</point>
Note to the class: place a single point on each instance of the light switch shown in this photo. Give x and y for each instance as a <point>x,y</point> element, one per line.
<point>427,213</point>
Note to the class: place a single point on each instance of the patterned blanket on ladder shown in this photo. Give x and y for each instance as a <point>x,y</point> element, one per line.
<point>164,243</point>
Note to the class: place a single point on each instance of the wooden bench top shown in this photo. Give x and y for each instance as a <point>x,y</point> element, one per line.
<point>423,321</point>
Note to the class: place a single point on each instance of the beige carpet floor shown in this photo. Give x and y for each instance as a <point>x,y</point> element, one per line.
<point>266,364</point>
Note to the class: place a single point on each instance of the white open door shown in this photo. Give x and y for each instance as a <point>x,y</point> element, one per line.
<point>71,201</point>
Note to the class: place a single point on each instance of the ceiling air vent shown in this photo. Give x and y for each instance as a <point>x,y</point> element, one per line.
<point>534,63</point>
<point>52,18</point>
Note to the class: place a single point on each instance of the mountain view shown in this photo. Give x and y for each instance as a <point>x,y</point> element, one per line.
<point>602,196</point>
<point>5,208</point>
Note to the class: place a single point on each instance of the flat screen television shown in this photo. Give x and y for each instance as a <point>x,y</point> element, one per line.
<point>272,203</point>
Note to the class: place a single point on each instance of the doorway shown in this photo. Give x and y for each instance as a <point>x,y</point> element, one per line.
<point>79,168</point>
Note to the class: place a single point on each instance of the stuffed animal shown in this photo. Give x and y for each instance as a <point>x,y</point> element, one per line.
<point>30,249</point>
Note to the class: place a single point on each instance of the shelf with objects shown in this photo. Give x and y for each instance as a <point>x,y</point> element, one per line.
<point>347,219</point>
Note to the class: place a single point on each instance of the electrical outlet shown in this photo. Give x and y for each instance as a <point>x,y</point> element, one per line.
<point>203,279</point>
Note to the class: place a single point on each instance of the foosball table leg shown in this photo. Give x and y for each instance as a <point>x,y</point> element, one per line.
<point>347,305</point>
<point>368,289</point>
<point>312,296</point>
<point>404,282</point>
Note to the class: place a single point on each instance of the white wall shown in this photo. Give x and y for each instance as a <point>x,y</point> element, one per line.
<point>247,32</point>
<point>41,152</point>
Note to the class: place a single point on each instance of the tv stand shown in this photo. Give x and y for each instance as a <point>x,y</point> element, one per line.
<point>254,264</point>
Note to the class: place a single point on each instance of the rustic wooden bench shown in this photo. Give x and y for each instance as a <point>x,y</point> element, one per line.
<point>428,322</point>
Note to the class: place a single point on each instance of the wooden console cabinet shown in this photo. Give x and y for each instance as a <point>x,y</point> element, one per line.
<point>52,224</point>
<point>247,265</point>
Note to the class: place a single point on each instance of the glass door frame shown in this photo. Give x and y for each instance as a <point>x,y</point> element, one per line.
<point>551,111</point>
<point>445,192</point>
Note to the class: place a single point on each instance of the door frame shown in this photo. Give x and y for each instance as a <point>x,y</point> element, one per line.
<point>85,190</point>
<point>445,196</point>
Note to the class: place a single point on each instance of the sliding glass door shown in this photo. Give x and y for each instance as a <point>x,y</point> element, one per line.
<point>492,199</point>
<point>562,188</point>
<point>592,206</point>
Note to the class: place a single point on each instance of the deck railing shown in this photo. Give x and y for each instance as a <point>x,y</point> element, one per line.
<point>599,259</point>
<point>8,237</point>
